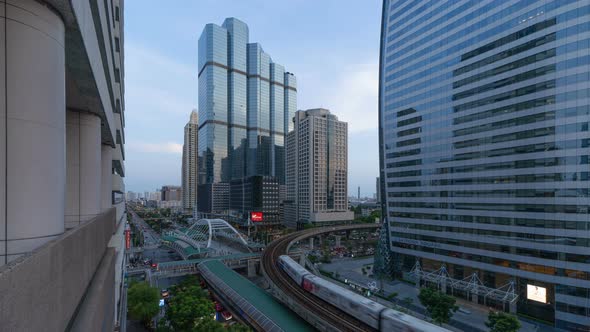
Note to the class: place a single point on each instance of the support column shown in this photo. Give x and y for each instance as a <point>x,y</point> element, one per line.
<point>337,238</point>
<point>84,174</point>
<point>251,268</point>
<point>32,127</point>
<point>311,243</point>
<point>106,157</point>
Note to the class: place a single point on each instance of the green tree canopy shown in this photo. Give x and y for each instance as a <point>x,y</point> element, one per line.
<point>142,301</point>
<point>502,322</point>
<point>440,306</point>
<point>188,306</point>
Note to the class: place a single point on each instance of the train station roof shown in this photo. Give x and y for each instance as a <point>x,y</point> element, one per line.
<point>280,315</point>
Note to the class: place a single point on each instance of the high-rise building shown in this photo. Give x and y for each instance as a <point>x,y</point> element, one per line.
<point>171,193</point>
<point>378,190</point>
<point>256,194</point>
<point>317,169</point>
<point>484,109</point>
<point>62,160</point>
<point>246,102</point>
<point>189,163</point>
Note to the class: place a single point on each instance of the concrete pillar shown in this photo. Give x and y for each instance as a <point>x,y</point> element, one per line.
<point>83,171</point>
<point>32,127</point>
<point>474,297</point>
<point>337,237</point>
<point>106,158</point>
<point>251,268</point>
<point>512,307</point>
<point>311,243</point>
<point>302,259</point>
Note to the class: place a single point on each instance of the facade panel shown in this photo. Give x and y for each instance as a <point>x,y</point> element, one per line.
<point>484,110</point>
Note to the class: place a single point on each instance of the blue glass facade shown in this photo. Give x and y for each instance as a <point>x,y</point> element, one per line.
<point>484,110</point>
<point>245,102</point>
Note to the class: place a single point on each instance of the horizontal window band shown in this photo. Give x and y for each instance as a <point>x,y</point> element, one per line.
<point>223,123</point>
<point>233,70</point>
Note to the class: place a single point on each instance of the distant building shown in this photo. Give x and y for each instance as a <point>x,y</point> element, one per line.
<point>131,196</point>
<point>189,163</point>
<point>171,193</point>
<point>256,194</point>
<point>155,196</point>
<point>317,169</point>
<point>175,205</point>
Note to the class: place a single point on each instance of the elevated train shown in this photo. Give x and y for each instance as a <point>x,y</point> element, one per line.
<point>370,312</point>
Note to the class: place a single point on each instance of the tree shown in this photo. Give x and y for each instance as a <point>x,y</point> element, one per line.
<point>440,306</point>
<point>392,296</point>
<point>142,301</point>
<point>188,306</point>
<point>502,322</point>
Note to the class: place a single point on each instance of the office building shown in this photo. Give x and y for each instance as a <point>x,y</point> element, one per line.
<point>155,196</point>
<point>484,109</point>
<point>189,163</point>
<point>317,170</point>
<point>62,161</point>
<point>256,194</point>
<point>378,189</point>
<point>171,193</point>
<point>213,198</point>
<point>246,103</point>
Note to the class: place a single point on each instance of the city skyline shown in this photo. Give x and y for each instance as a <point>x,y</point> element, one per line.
<point>155,146</point>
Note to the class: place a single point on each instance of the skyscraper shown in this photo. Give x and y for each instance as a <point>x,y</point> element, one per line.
<point>378,189</point>
<point>246,102</point>
<point>317,169</point>
<point>484,110</point>
<point>189,163</point>
<point>62,207</point>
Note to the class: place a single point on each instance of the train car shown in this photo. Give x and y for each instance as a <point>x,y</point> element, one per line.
<point>357,306</point>
<point>294,270</point>
<point>392,320</point>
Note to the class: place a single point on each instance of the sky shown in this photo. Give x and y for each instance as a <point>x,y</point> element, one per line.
<point>332,46</point>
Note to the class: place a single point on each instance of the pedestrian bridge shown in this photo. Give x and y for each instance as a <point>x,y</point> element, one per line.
<point>196,240</point>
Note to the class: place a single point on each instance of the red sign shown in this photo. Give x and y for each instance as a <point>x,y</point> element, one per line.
<point>127,239</point>
<point>256,216</point>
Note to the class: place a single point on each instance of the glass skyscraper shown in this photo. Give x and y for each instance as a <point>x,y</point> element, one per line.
<point>246,102</point>
<point>484,108</point>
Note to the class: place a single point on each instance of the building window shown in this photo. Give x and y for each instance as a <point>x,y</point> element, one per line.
<point>117,13</point>
<point>117,45</point>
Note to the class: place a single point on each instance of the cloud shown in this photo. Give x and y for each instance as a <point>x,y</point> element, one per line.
<point>169,147</point>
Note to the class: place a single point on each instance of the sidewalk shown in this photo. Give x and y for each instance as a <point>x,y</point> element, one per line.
<point>472,317</point>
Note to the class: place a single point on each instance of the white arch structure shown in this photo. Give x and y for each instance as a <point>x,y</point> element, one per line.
<point>204,230</point>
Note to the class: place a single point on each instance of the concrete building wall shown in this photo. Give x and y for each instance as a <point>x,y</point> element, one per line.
<point>32,155</point>
<point>317,169</point>
<point>41,291</point>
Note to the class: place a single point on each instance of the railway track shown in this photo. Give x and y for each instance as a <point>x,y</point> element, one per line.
<point>326,311</point>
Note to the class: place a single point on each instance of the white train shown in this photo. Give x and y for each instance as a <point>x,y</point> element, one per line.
<point>370,312</point>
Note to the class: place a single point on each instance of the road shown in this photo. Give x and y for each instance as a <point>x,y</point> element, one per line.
<point>150,237</point>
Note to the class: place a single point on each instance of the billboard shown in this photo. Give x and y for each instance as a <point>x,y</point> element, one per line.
<point>127,239</point>
<point>256,216</point>
<point>536,293</point>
